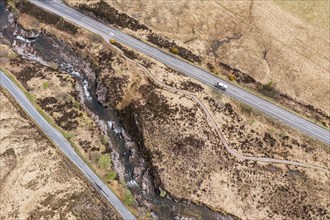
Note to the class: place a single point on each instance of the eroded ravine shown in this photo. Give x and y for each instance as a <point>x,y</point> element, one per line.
<point>45,49</point>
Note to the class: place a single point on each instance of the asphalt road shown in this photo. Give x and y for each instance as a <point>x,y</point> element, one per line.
<point>213,123</point>
<point>203,76</point>
<point>64,145</point>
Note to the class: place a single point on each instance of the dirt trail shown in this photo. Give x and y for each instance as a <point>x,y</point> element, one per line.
<point>216,127</point>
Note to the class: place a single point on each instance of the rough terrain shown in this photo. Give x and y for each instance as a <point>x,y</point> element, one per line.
<point>182,149</point>
<point>274,48</point>
<point>37,182</point>
<point>182,142</point>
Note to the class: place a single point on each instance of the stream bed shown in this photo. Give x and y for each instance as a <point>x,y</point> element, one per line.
<point>43,48</point>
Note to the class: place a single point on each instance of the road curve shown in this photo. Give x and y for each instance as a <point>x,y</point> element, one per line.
<point>203,76</point>
<point>218,130</point>
<point>64,145</point>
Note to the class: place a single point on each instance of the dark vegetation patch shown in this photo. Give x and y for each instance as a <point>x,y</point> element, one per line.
<point>105,12</point>
<point>66,27</point>
<point>164,42</point>
<point>156,105</point>
<point>133,55</point>
<point>211,67</point>
<point>47,17</point>
<point>191,86</point>
<point>105,58</point>
<point>115,89</point>
<point>28,72</point>
<point>314,112</point>
<point>9,153</point>
<point>239,75</point>
<point>75,94</point>
<point>269,139</point>
<point>86,145</point>
<point>127,52</point>
<point>68,115</point>
<point>66,121</point>
<point>188,146</point>
<point>269,90</point>
<point>131,119</point>
<point>216,106</point>
<point>47,101</point>
<point>291,203</point>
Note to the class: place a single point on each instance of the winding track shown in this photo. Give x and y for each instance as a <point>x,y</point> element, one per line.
<point>188,69</point>
<point>217,129</point>
<point>203,76</point>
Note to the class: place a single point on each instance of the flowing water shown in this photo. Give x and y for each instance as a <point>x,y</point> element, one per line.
<point>46,50</point>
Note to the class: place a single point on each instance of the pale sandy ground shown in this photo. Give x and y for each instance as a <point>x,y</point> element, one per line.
<point>35,181</point>
<point>285,43</point>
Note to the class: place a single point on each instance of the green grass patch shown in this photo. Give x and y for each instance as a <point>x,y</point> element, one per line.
<point>104,139</point>
<point>148,214</point>
<point>76,104</point>
<point>282,134</point>
<point>162,193</point>
<point>112,175</point>
<point>104,161</point>
<point>45,85</point>
<point>12,5</point>
<point>67,135</point>
<point>129,199</point>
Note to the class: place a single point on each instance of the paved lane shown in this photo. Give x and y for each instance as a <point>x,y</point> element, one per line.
<point>186,68</point>
<point>63,144</point>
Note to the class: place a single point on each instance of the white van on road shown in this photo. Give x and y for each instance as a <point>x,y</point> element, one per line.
<point>221,86</point>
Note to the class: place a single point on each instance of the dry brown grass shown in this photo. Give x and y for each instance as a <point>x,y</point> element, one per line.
<point>36,181</point>
<point>257,37</point>
<point>58,101</point>
<point>314,12</point>
<point>192,163</point>
<point>190,160</point>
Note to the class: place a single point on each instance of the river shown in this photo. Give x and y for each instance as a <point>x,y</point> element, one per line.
<point>46,50</point>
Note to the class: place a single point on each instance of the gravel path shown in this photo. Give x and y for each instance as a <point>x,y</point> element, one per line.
<point>217,129</point>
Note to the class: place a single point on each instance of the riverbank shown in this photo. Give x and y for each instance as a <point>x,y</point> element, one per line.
<point>162,144</point>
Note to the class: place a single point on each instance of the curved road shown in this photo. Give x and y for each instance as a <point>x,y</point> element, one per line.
<point>64,145</point>
<point>283,115</point>
<point>217,129</point>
